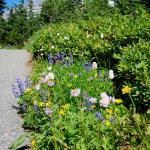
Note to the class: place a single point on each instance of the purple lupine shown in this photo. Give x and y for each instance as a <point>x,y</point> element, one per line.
<point>64,62</point>
<point>35,107</point>
<point>62,55</point>
<point>99,116</point>
<point>24,107</point>
<point>50,59</point>
<point>27,82</point>
<point>70,59</point>
<point>20,86</point>
<point>57,56</point>
<point>90,101</point>
<point>48,111</point>
<point>15,91</point>
<point>88,66</point>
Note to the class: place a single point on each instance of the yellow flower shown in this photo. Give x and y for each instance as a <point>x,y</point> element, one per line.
<point>33,142</point>
<point>110,111</point>
<point>62,112</point>
<point>48,104</point>
<point>118,101</point>
<point>41,104</point>
<point>28,90</point>
<point>66,106</point>
<point>93,106</point>
<point>107,123</point>
<point>126,90</point>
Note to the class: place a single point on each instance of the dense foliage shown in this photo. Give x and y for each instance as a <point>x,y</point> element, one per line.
<point>95,91</point>
<point>22,22</point>
<point>104,40</point>
<point>19,26</point>
<point>72,106</point>
<point>2,6</point>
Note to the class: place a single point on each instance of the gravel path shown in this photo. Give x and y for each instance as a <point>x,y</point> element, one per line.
<point>12,65</point>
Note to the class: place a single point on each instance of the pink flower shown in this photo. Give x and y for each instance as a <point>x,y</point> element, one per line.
<point>75,92</point>
<point>49,76</point>
<point>51,83</point>
<point>105,101</point>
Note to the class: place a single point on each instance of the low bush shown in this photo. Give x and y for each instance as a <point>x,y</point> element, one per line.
<point>101,40</point>
<point>134,68</point>
<point>98,37</point>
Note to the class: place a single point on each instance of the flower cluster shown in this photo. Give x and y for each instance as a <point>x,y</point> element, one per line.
<point>49,79</point>
<point>91,103</point>
<point>64,109</point>
<point>60,58</point>
<point>20,87</point>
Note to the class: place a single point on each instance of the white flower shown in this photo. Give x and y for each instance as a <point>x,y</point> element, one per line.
<point>52,46</point>
<point>94,65</point>
<point>112,99</point>
<point>111,74</point>
<point>102,35</point>
<point>105,101</point>
<point>42,54</point>
<point>93,100</point>
<point>66,38</point>
<point>49,68</point>
<point>111,3</point>
<point>75,92</point>
<point>37,87</point>
<point>50,76</point>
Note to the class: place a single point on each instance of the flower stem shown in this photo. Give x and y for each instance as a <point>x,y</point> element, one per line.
<point>134,108</point>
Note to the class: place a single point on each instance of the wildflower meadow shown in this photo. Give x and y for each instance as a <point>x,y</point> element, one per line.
<point>89,88</point>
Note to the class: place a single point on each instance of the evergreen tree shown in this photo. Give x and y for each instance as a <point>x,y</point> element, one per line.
<point>59,10</point>
<point>2,6</point>
<point>30,5</point>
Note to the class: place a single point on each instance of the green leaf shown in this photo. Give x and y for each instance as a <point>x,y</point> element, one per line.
<point>148,130</point>
<point>19,141</point>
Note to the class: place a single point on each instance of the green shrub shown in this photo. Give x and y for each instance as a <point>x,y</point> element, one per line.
<point>98,37</point>
<point>134,68</point>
